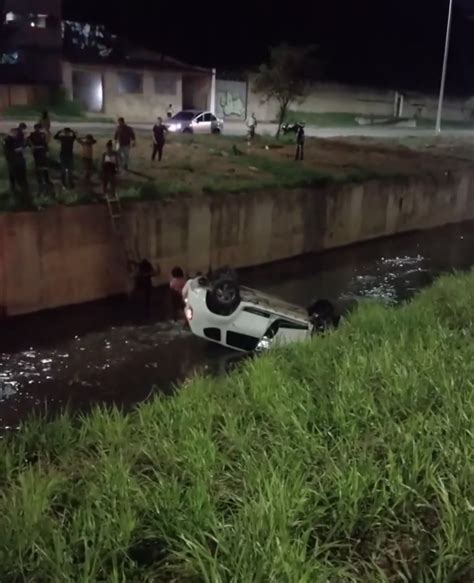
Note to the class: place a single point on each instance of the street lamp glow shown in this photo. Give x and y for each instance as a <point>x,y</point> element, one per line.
<point>445,68</point>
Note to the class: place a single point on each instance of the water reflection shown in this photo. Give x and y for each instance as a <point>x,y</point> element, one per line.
<point>108,357</point>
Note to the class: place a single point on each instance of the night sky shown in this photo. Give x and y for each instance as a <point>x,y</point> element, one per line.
<point>389,43</point>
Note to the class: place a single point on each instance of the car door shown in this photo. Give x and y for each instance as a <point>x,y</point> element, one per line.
<point>204,125</point>
<point>215,125</point>
<point>198,124</point>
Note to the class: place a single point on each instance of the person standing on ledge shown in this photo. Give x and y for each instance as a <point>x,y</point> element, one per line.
<point>110,163</point>
<point>38,143</point>
<point>300,140</point>
<point>159,131</point>
<point>169,113</point>
<point>88,144</point>
<point>13,148</point>
<point>67,139</point>
<point>125,139</point>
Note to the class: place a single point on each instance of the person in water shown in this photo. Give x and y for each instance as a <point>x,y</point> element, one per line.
<point>144,283</point>
<point>177,285</point>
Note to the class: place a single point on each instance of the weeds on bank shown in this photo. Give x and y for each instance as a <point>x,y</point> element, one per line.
<point>194,165</point>
<point>345,459</point>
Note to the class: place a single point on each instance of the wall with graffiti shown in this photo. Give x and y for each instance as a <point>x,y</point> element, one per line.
<point>231,99</point>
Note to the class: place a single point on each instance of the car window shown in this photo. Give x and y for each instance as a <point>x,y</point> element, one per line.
<point>213,118</point>
<point>242,341</point>
<point>207,116</point>
<point>184,115</point>
<point>199,119</point>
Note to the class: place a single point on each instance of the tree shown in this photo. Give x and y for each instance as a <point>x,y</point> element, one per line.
<point>285,77</point>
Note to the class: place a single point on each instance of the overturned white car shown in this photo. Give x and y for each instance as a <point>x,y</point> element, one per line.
<point>219,310</point>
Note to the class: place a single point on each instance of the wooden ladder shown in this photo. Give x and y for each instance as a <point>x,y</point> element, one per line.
<point>114,205</point>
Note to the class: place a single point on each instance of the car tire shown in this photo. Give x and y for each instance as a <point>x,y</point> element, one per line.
<point>216,131</point>
<point>224,296</point>
<point>187,131</point>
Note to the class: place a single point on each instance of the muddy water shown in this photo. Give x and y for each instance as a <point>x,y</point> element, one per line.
<point>109,352</point>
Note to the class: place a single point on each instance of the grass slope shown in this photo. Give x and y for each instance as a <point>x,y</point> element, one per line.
<point>346,459</point>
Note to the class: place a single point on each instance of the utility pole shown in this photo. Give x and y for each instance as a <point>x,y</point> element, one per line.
<point>445,68</point>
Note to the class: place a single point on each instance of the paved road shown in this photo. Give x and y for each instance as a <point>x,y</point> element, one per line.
<point>239,129</point>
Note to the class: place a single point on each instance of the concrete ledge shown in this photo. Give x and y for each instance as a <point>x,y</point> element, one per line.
<point>71,255</point>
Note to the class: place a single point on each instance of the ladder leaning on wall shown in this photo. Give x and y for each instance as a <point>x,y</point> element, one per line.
<point>114,205</point>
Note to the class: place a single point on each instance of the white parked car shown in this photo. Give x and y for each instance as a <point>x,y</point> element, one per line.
<point>195,121</point>
<point>220,311</point>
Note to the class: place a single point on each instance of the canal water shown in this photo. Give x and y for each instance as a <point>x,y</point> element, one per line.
<point>109,353</point>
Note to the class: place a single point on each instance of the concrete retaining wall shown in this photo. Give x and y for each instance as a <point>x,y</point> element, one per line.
<point>71,255</point>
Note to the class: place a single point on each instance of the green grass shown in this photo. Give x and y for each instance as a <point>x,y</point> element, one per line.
<point>190,176</point>
<point>348,459</point>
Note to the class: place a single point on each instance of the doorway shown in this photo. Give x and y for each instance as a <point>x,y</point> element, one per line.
<point>88,90</point>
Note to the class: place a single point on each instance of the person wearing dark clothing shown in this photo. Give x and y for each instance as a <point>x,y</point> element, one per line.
<point>159,131</point>
<point>67,139</point>
<point>143,282</point>
<point>110,164</point>
<point>125,139</point>
<point>39,147</point>
<point>300,139</point>
<point>13,149</point>
<point>169,113</point>
<point>87,153</point>
<point>21,134</point>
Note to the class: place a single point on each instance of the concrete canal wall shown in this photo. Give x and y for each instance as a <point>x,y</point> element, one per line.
<point>66,256</point>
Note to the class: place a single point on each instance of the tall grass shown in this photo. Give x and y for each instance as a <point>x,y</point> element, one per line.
<point>345,459</point>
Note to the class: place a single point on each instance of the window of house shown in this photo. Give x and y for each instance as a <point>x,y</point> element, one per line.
<point>38,20</point>
<point>166,84</point>
<point>33,20</point>
<point>9,58</point>
<point>130,82</point>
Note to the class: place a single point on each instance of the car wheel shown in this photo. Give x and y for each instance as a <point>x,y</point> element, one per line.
<point>216,131</point>
<point>224,297</point>
<point>187,131</point>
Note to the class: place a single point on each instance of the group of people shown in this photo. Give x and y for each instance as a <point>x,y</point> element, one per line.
<point>115,157</point>
<point>178,286</point>
<point>17,143</point>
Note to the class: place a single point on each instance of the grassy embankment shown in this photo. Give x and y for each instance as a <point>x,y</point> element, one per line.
<point>346,459</point>
<point>203,165</point>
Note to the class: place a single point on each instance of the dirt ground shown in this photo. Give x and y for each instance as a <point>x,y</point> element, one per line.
<point>202,164</point>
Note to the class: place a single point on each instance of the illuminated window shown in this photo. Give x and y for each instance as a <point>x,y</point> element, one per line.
<point>11,17</point>
<point>38,20</point>
<point>9,58</point>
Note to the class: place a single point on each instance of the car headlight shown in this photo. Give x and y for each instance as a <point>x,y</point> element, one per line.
<point>264,344</point>
<point>175,127</point>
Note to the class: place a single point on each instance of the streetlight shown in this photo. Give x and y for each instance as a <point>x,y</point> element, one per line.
<point>445,68</point>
